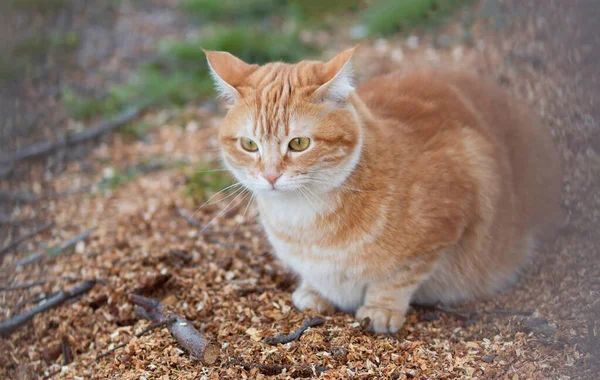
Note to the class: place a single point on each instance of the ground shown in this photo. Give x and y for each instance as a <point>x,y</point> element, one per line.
<point>224,279</point>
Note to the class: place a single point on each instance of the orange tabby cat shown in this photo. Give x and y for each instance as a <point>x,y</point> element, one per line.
<point>425,187</point>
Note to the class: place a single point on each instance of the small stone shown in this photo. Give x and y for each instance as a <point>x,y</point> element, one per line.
<point>340,353</point>
<point>358,32</point>
<point>381,45</point>
<point>397,55</point>
<point>412,42</point>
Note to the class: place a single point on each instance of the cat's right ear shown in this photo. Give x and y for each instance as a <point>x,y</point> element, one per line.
<point>228,72</point>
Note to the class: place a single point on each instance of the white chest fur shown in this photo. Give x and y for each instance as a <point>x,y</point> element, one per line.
<point>327,271</point>
<point>331,271</point>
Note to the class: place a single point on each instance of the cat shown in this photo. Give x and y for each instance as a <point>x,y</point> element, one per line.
<point>425,187</point>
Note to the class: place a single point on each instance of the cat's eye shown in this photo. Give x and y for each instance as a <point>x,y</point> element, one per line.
<point>298,144</point>
<point>248,145</point>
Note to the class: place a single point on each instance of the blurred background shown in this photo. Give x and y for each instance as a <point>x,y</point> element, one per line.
<point>108,121</point>
<point>71,66</point>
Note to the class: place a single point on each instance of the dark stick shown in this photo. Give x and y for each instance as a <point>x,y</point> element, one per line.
<point>296,334</point>
<point>66,351</point>
<point>5,219</point>
<point>32,300</point>
<point>182,330</point>
<point>188,218</point>
<point>47,147</point>
<point>143,332</point>
<point>8,327</point>
<point>16,197</point>
<point>24,285</point>
<point>13,244</point>
<point>55,251</point>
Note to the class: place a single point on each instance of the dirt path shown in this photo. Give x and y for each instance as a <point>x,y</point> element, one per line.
<point>227,283</point>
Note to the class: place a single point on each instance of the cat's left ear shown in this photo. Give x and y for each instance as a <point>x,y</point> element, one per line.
<point>338,76</point>
<point>228,72</point>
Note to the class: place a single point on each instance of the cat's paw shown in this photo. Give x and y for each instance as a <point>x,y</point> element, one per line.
<point>306,298</point>
<point>382,320</point>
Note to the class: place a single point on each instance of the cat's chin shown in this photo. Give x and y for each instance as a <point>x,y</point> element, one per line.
<point>277,192</point>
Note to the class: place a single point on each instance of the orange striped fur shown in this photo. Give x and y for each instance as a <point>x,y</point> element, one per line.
<point>425,187</point>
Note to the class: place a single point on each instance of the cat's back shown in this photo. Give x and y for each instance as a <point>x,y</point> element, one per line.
<point>422,104</point>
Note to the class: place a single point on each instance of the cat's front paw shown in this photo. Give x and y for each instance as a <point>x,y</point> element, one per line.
<point>306,298</point>
<point>382,320</point>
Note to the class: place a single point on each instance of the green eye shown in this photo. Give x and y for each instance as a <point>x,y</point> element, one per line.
<point>248,145</point>
<point>298,144</point>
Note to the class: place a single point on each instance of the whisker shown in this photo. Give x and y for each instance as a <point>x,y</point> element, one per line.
<point>330,209</point>
<point>210,171</point>
<point>227,208</point>
<point>221,191</point>
<point>307,198</point>
<point>244,214</point>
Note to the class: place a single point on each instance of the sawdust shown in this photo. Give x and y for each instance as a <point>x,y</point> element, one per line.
<point>229,286</point>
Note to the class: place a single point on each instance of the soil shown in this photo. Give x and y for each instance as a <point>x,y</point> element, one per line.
<point>224,280</point>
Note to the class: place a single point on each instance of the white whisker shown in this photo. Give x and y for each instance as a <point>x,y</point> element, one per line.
<point>221,191</point>
<point>210,171</point>
<point>244,214</point>
<point>227,208</point>
<point>308,198</point>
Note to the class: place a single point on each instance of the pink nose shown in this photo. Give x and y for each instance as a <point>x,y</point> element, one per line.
<point>271,177</point>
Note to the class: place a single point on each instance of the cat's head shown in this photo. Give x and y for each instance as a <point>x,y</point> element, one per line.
<point>289,126</point>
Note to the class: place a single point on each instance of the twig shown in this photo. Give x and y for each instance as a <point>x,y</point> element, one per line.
<point>153,326</point>
<point>182,330</point>
<point>13,244</point>
<point>8,327</point>
<point>66,351</point>
<point>24,285</point>
<point>5,219</point>
<point>54,251</point>
<point>32,300</point>
<point>296,334</point>
<point>5,196</point>
<point>150,283</point>
<point>47,147</point>
<point>191,221</point>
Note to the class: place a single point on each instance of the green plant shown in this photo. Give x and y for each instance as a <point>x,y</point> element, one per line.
<point>137,130</point>
<point>390,16</point>
<point>206,181</point>
<point>233,10</point>
<point>114,177</point>
<point>50,6</point>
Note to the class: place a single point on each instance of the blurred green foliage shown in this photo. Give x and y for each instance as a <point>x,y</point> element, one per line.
<point>233,10</point>
<point>38,5</point>
<point>180,72</point>
<point>205,181</point>
<point>257,31</point>
<point>21,57</point>
<point>391,16</point>
<point>249,43</point>
<point>137,130</point>
<point>114,177</point>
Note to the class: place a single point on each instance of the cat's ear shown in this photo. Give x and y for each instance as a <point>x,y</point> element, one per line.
<point>228,72</point>
<point>339,78</point>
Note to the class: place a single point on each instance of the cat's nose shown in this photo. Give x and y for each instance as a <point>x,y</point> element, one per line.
<point>271,177</point>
